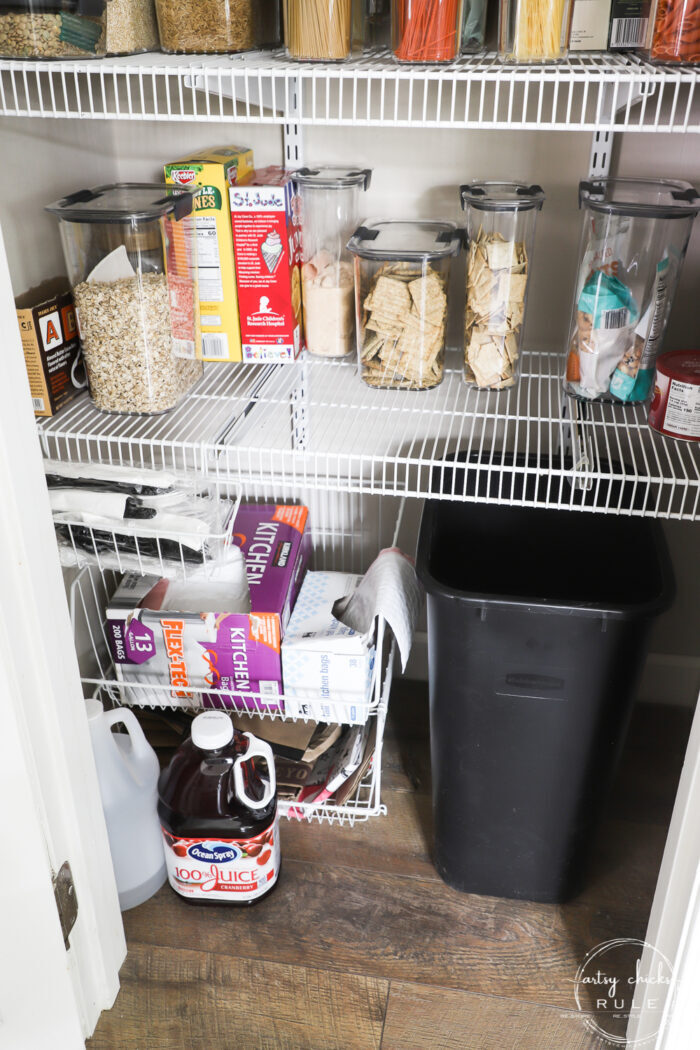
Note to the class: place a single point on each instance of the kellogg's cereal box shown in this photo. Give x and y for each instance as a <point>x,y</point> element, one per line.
<point>214,171</point>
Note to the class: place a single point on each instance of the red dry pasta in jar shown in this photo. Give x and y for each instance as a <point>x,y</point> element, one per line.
<point>675,31</point>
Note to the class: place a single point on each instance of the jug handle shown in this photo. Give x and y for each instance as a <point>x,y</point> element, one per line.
<point>255,748</point>
<point>124,715</point>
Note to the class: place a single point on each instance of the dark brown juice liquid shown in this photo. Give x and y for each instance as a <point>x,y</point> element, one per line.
<point>197,800</point>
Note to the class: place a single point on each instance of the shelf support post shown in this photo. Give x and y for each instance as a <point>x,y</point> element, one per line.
<point>293,132</point>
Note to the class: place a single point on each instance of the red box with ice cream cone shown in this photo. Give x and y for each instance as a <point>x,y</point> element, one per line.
<point>267,248</point>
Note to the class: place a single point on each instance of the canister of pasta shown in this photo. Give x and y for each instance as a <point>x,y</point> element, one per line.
<point>673,32</point>
<point>675,409</point>
<point>534,30</point>
<point>426,30</point>
<point>319,30</point>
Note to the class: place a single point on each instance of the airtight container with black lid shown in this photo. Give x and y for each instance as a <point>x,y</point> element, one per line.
<point>130,251</point>
<point>633,243</point>
<point>330,211</point>
<point>76,28</point>
<point>402,273</point>
<point>501,220</point>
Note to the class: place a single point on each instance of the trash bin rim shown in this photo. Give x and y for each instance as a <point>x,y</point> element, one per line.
<point>618,611</point>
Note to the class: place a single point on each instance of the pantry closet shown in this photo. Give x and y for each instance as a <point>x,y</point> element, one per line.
<point>361,460</point>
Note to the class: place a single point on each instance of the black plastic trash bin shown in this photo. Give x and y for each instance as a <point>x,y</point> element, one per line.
<point>537,630</point>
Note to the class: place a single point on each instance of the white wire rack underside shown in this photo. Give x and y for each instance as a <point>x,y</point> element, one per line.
<point>316,425</point>
<point>584,92</point>
<point>88,596</point>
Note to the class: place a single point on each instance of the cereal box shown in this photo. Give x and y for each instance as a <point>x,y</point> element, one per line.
<point>267,248</point>
<point>51,345</point>
<point>214,171</point>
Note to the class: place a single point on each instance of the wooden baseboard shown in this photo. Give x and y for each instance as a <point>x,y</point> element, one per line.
<point>667,678</point>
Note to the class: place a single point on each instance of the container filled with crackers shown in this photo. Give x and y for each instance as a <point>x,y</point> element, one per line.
<point>401,298</point>
<point>501,218</point>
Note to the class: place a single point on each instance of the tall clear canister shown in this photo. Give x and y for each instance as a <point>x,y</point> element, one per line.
<point>330,212</point>
<point>633,242</point>
<point>501,219</point>
<point>130,252</point>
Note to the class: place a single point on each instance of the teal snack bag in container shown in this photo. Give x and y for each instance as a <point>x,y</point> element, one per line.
<point>633,243</point>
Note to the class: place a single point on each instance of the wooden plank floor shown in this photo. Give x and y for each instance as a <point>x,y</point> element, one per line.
<point>362,947</point>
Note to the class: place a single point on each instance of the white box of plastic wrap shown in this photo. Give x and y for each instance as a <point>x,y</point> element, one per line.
<point>322,658</point>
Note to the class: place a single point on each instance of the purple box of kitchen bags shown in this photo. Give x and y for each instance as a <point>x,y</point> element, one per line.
<point>194,650</point>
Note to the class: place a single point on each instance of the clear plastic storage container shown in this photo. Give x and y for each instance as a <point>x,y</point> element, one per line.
<point>318,29</point>
<point>501,218</point>
<point>76,28</point>
<point>402,274</point>
<point>634,239</point>
<point>372,24</point>
<point>674,32</point>
<point>131,257</point>
<point>426,30</point>
<point>218,26</point>
<point>330,206</point>
<point>534,30</point>
<point>473,26</point>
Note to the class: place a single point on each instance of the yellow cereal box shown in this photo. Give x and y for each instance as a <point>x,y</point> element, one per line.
<point>214,170</point>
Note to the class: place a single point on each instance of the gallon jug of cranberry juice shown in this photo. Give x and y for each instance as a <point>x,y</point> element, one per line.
<point>217,805</point>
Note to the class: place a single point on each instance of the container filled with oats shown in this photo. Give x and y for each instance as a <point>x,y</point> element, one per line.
<point>401,296</point>
<point>76,28</point>
<point>130,252</point>
<point>501,218</point>
<point>330,205</point>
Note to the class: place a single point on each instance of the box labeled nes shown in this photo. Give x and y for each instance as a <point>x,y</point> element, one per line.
<point>193,651</point>
<point>590,24</point>
<point>213,171</point>
<point>322,659</point>
<point>267,248</point>
<point>51,344</point>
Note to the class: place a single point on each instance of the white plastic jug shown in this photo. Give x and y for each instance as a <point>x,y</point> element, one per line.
<point>127,770</point>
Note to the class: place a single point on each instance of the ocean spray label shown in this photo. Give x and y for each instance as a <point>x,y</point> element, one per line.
<point>214,869</point>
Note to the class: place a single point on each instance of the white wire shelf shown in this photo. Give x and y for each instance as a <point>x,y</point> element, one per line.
<point>88,597</point>
<point>586,92</point>
<point>315,425</point>
<point>145,551</point>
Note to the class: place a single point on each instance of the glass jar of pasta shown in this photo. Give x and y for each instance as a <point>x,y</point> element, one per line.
<point>674,32</point>
<point>318,30</point>
<point>534,30</point>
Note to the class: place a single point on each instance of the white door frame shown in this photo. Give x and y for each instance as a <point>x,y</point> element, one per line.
<point>45,749</point>
<point>674,923</point>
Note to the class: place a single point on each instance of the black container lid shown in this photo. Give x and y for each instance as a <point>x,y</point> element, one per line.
<point>502,196</point>
<point>647,198</point>
<point>330,177</point>
<point>125,202</point>
<point>406,239</point>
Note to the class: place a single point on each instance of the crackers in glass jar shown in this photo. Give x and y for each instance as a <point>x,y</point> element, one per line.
<point>496,285</point>
<point>403,336</point>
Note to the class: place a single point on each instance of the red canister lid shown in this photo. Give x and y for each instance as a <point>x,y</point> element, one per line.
<point>683,365</point>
